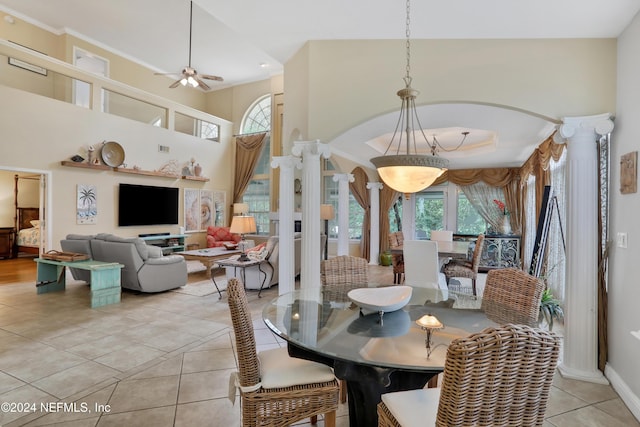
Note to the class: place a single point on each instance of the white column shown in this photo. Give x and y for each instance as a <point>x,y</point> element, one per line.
<point>286,263</point>
<point>408,217</point>
<point>374,233</point>
<point>343,180</point>
<point>310,151</point>
<point>580,351</point>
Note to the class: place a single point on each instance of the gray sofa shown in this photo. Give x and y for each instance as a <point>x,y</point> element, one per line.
<point>145,268</point>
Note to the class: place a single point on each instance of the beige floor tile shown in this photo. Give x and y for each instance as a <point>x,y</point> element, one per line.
<point>131,395</point>
<point>25,394</point>
<point>156,417</point>
<point>589,416</point>
<point>166,368</point>
<point>560,402</point>
<point>617,409</point>
<point>208,360</point>
<point>75,379</point>
<point>202,413</point>
<point>75,337</point>
<point>94,402</point>
<point>170,340</point>
<point>589,392</point>
<point>204,385</point>
<point>7,383</point>
<point>129,357</point>
<point>31,367</point>
<point>101,346</point>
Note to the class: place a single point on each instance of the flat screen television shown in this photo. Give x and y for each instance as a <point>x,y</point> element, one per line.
<point>147,205</point>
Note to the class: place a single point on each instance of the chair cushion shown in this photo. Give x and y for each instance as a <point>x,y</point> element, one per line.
<point>278,369</point>
<point>414,407</point>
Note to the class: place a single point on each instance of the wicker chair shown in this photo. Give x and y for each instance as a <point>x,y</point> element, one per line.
<point>338,276</point>
<point>396,240</point>
<point>498,377</point>
<point>512,296</point>
<point>465,268</point>
<point>277,390</point>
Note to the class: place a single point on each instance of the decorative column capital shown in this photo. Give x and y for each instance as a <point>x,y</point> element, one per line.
<point>600,124</point>
<point>300,148</point>
<point>337,177</point>
<point>374,186</point>
<point>286,162</point>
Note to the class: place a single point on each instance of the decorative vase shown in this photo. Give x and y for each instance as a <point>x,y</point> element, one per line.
<point>385,259</point>
<point>506,224</point>
<point>197,169</point>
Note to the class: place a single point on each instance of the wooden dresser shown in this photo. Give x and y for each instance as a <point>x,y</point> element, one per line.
<point>7,237</point>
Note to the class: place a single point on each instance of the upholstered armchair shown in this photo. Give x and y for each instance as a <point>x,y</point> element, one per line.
<point>218,236</point>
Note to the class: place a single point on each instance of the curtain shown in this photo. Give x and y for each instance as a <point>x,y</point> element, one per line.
<point>528,237</point>
<point>482,196</point>
<point>388,196</point>
<point>496,177</point>
<point>555,266</point>
<point>248,149</point>
<point>359,190</point>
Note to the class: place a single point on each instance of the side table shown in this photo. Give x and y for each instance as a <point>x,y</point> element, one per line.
<point>232,262</point>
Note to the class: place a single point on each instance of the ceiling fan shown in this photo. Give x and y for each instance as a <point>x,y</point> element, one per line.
<point>189,76</point>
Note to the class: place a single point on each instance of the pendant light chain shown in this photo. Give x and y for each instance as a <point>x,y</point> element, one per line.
<point>407,79</point>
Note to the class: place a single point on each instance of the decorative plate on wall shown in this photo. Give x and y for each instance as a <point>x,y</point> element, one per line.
<point>112,154</point>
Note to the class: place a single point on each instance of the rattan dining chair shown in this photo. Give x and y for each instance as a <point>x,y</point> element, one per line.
<point>338,276</point>
<point>396,240</point>
<point>498,377</point>
<point>512,296</point>
<point>276,389</point>
<point>466,268</point>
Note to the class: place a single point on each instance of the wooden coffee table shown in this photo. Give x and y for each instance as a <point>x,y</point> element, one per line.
<point>209,256</point>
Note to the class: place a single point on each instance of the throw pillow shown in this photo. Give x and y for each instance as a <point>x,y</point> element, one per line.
<point>257,248</point>
<point>259,255</point>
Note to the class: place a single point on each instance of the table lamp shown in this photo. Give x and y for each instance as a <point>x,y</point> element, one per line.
<point>326,213</point>
<point>243,224</point>
<point>428,323</point>
<point>240,209</point>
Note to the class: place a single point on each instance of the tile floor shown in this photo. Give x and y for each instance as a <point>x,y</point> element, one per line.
<point>164,360</point>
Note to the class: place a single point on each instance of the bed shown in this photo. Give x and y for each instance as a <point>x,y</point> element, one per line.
<point>28,226</point>
<point>27,221</point>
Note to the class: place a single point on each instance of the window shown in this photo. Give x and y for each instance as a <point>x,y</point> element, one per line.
<point>435,210</point>
<point>356,212</point>
<point>258,119</point>
<point>468,220</point>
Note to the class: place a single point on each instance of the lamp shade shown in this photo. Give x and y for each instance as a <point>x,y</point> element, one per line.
<point>240,208</point>
<point>243,224</point>
<point>429,322</point>
<point>326,212</point>
<point>409,173</point>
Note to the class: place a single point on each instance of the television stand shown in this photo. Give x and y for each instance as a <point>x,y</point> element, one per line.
<point>169,243</point>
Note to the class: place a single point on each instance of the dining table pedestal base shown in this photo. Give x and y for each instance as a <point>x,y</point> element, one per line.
<point>366,384</point>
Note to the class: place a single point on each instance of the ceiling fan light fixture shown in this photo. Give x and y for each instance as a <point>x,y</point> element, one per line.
<point>192,81</point>
<point>183,81</point>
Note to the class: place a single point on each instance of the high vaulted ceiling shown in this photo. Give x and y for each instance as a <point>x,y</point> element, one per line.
<point>250,40</point>
<point>247,40</point>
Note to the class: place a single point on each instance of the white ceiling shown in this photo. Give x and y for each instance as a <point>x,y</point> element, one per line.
<point>249,40</point>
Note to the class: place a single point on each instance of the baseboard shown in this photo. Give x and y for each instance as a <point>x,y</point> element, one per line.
<point>631,400</point>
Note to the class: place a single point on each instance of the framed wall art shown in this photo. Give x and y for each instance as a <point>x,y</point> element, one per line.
<point>86,204</point>
<point>629,173</point>
<point>203,208</point>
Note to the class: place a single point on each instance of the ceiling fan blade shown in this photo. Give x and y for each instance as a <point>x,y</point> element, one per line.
<point>166,74</point>
<point>175,84</point>
<point>202,84</point>
<point>210,77</point>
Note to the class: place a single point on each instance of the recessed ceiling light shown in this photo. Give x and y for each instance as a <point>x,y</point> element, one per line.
<point>264,65</point>
<point>9,19</point>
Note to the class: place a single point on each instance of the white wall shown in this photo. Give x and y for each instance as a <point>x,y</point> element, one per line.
<point>38,133</point>
<point>624,290</point>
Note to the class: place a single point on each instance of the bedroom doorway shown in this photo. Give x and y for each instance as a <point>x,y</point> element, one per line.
<point>11,208</point>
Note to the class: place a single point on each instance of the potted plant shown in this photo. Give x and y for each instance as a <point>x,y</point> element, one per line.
<point>550,309</point>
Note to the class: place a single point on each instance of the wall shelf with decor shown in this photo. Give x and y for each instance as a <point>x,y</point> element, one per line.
<point>132,171</point>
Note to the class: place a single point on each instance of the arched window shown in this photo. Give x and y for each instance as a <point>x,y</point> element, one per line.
<point>258,119</point>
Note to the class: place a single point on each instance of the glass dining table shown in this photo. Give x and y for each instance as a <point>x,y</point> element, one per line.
<point>375,354</point>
